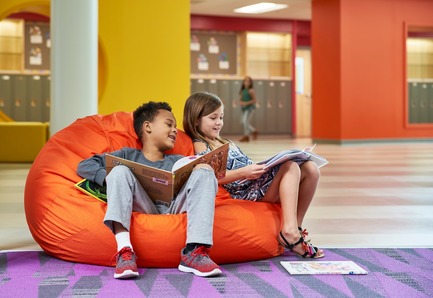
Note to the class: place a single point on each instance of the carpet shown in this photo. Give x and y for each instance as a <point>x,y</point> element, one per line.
<point>391,273</point>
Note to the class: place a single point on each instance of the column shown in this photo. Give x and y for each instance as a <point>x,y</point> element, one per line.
<point>74,61</point>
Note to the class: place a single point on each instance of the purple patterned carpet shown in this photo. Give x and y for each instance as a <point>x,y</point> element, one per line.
<point>391,273</point>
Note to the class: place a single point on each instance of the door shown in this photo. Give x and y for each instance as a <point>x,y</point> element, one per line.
<point>303,93</point>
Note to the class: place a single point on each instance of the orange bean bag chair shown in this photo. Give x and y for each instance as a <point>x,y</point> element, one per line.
<point>67,223</point>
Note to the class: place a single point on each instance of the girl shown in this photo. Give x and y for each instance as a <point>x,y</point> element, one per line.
<point>288,183</point>
<point>247,99</point>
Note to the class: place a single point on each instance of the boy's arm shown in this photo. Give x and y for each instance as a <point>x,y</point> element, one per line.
<point>93,169</point>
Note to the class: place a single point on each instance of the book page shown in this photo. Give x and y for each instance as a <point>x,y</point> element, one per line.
<point>322,267</point>
<point>319,160</point>
<point>283,156</point>
<point>217,159</point>
<point>184,161</point>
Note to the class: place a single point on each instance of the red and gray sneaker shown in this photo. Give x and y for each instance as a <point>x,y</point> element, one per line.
<point>198,262</point>
<point>126,266</point>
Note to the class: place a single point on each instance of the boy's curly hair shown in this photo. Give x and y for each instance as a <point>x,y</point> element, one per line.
<point>147,112</point>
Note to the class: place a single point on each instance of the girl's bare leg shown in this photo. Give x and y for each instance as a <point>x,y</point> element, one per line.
<point>310,175</point>
<point>285,188</point>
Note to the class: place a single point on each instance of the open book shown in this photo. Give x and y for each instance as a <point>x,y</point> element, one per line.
<point>295,155</point>
<point>161,185</point>
<point>322,267</point>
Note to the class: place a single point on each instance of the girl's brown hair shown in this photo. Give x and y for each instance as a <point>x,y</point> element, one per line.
<point>198,105</point>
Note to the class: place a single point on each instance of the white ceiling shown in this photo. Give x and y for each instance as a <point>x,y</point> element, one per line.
<point>297,10</point>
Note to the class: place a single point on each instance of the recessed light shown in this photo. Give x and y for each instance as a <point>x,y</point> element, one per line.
<point>261,7</point>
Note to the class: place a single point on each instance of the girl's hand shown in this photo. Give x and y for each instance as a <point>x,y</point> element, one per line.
<point>253,171</point>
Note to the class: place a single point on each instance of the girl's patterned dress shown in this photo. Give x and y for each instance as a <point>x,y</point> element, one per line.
<point>251,190</point>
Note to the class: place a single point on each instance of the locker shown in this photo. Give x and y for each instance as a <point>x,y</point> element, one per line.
<point>19,97</point>
<point>271,108</point>
<point>236,113</point>
<point>430,102</point>
<point>34,99</point>
<point>46,98</point>
<point>258,120</point>
<point>224,92</point>
<point>197,85</point>
<point>413,102</point>
<point>6,95</point>
<point>211,86</point>
<point>423,103</point>
<point>284,107</point>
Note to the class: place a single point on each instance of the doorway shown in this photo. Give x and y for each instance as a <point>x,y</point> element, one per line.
<point>303,92</point>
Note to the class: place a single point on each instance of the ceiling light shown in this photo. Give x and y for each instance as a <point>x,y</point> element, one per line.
<point>261,7</point>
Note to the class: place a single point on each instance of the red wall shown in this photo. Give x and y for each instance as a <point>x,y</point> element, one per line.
<point>359,82</point>
<point>300,29</point>
<point>200,22</point>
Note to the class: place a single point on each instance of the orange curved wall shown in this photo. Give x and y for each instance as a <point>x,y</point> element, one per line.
<point>359,83</point>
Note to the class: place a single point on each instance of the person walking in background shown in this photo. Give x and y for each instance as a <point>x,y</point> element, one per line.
<point>248,100</point>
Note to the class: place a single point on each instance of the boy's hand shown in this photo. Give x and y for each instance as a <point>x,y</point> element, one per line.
<point>253,171</point>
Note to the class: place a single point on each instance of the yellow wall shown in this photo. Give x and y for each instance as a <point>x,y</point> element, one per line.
<point>143,48</point>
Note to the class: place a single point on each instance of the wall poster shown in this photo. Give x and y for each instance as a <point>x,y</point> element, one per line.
<point>37,45</point>
<point>214,52</point>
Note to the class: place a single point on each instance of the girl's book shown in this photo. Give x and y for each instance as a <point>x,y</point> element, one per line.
<point>295,155</point>
<point>322,267</point>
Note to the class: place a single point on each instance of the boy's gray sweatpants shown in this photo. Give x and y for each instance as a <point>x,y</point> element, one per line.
<point>196,198</point>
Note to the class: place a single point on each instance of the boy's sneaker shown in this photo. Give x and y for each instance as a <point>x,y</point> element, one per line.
<point>126,266</point>
<point>198,262</point>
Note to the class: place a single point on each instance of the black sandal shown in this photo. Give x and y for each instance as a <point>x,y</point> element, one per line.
<point>310,250</point>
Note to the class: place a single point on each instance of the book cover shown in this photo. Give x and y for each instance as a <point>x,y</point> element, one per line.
<point>92,189</point>
<point>322,267</point>
<point>161,185</point>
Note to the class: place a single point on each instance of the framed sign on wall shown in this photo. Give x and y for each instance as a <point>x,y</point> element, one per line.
<point>214,53</point>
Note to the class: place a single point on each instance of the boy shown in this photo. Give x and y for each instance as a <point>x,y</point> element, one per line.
<point>155,126</point>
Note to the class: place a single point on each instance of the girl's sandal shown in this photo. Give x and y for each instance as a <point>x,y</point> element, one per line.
<point>310,250</point>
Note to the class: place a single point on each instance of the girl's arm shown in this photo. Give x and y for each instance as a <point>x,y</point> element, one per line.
<point>249,172</point>
<point>199,147</point>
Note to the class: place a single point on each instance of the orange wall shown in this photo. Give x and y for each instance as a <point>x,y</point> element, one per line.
<point>359,83</point>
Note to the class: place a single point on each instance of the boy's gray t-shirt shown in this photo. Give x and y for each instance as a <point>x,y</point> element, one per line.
<point>94,170</point>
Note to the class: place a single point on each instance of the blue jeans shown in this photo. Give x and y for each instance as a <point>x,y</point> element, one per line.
<point>246,119</point>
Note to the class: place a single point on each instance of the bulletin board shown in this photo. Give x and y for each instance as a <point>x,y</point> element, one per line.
<point>37,45</point>
<point>214,52</point>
